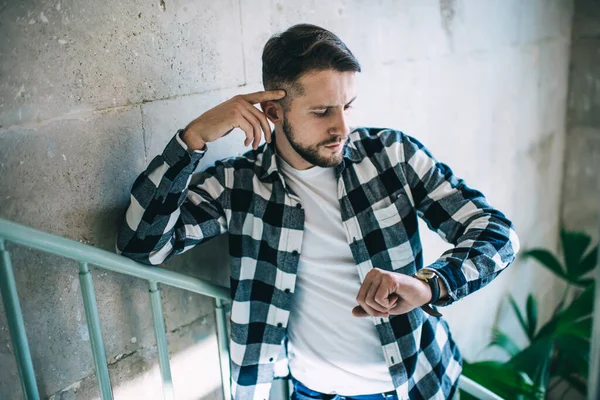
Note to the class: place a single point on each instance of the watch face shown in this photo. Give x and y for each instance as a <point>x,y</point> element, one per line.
<point>426,274</point>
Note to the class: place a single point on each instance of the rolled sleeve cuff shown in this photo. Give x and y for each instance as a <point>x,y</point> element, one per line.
<point>176,151</point>
<point>452,277</point>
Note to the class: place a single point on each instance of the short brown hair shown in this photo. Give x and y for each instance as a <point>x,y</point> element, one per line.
<point>303,48</point>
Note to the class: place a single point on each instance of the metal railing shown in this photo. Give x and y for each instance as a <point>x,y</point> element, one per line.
<point>86,255</point>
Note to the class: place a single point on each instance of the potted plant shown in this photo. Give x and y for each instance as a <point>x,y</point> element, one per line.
<point>559,350</point>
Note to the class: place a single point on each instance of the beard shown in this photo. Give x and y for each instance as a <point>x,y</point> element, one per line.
<point>311,153</point>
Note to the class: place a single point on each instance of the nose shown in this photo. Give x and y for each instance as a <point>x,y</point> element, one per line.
<point>340,125</point>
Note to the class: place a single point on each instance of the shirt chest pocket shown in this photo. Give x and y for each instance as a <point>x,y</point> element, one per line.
<point>393,225</point>
<point>394,213</point>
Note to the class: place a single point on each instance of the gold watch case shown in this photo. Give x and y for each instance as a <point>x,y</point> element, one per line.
<point>425,275</point>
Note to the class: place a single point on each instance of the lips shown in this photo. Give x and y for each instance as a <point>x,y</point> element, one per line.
<point>334,146</point>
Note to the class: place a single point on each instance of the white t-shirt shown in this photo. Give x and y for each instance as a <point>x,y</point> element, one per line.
<point>329,350</point>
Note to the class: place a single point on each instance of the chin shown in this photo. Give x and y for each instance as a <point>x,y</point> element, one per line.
<point>331,161</point>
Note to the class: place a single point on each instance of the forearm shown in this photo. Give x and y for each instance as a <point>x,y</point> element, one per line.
<point>488,245</point>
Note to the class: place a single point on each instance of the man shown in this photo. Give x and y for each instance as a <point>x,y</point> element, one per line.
<point>326,259</point>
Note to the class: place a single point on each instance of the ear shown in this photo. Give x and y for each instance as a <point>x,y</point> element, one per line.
<point>272,110</point>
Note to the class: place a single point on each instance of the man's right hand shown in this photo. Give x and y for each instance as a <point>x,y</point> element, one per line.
<point>237,112</point>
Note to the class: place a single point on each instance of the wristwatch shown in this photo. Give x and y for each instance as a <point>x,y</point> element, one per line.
<point>432,279</point>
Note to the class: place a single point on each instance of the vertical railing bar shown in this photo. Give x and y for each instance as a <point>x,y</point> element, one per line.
<point>223,340</point>
<point>16,326</point>
<point>161,340</point>
<point>93,323</point>
<point>286,389</point>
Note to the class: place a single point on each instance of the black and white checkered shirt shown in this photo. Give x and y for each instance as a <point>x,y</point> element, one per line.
<point>385,181</point>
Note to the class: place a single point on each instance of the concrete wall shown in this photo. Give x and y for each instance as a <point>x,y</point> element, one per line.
<point>92,91</point>
<point>580,208</point>
<point>581,193</point>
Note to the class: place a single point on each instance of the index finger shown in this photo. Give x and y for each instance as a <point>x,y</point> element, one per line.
<point>265,95</point>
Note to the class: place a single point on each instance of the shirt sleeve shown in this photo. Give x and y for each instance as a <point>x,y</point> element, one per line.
<point>485,241</point>
<point>168,216</point>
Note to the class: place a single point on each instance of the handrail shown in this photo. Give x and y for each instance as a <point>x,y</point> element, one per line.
<point>475,389</point>
<point>81,252</point>
<point>86,254</point>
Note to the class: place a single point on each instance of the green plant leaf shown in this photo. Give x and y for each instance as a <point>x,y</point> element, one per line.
<point>588,262</point>
<point>548,260</point>
<point>574,245</point>
<point>581,328</point>
<point>466,396</point>
<point>573,320</point>
<point>579,308</point>
<point>515,307</point>
<point>531,309</point>
<point>560,305</point>
<point>504,341</point>
<point>547,331</point>
<point>584,282</point>
<point>502,379</point>
<point>573,355</point>
<point>535,360</point>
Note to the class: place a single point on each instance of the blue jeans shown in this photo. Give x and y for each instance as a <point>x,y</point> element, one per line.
<point>301,392</point>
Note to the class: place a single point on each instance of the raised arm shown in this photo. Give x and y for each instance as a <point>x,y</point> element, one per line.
<point>485,241</point>
<point>168,216</point>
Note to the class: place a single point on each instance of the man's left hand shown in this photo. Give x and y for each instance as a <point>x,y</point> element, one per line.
<point>384,293</point>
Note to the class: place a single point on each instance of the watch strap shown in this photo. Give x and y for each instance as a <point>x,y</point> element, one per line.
<point>430,310</point>
<point>434,285</point>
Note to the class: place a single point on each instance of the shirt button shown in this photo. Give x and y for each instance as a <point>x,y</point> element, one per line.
<point>298,205</point>
<point>271,359</point>
<point>295,252</point>
<point>287,290</point>
<point>279,325</point>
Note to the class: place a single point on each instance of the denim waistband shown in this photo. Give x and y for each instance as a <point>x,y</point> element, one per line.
<point>306,393</point>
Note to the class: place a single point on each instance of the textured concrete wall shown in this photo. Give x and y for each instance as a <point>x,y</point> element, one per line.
<point>581,195</point>
<point>92,91</point>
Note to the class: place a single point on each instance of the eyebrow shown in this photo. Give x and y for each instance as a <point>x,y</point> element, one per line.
<point>323,107</point>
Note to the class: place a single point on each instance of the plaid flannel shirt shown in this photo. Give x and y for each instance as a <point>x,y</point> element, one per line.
<point>385,181</point>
